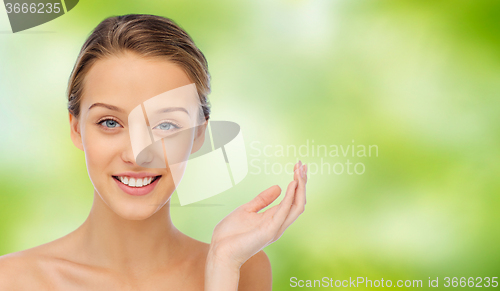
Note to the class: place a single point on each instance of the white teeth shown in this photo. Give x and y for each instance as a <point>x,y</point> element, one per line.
<point>132,182</point>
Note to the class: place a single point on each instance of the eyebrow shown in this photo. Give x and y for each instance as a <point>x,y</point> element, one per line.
<point>170,109</point>
<point>108,106</point>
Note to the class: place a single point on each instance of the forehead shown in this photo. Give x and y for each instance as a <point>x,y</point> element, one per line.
<point>127,79</point>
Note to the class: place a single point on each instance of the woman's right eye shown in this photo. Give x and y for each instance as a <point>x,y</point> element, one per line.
<point>110,123</point>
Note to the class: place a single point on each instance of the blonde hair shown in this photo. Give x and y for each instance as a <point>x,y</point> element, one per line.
<point>148,36</point>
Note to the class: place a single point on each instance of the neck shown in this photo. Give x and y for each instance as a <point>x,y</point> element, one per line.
<point>114,242</point>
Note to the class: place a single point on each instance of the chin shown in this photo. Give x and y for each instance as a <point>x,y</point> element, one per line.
<point>134,210</point>
<point>136,207</point>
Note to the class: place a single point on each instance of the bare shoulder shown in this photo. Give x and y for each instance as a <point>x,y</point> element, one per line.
<point>32,269</point>
<point>256,274</point>
<point>21,271</point>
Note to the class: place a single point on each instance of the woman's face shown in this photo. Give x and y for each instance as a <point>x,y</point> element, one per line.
<point>113,87</point>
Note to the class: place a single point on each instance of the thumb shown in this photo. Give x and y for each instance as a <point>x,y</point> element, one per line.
<point>265,198</point>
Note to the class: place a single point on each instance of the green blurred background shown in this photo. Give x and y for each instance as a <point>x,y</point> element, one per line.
<point>419,79</point>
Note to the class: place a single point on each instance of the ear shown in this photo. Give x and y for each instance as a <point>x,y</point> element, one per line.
<point>199,137</point>
<point>76,135</point>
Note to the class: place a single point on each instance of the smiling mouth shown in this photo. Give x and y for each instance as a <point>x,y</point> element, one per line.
<point>136,182</point>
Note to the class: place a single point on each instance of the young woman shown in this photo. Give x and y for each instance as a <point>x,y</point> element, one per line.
<point>128,241</point>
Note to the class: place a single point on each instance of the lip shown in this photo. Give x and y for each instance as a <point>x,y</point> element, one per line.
<point>137,191</point>
<point>136,175</point>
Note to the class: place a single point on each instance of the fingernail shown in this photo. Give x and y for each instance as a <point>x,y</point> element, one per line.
<point>300,163</point>
<point>302,173</point>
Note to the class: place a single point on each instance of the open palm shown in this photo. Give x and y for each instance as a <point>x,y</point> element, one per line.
<point>246,231</point>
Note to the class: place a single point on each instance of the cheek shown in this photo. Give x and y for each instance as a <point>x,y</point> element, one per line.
<point>179,147</point>
<point>101,149</point>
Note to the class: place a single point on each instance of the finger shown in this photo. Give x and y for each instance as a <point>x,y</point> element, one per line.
<point>298,205</point>
<point>301,180</point>
<point>262,200</point>
<point>285,205</point>
<point>305,171</point>
<point>301,172</point>
<point>297,165</point>
<point>296,178</point>
<point>301,188</point>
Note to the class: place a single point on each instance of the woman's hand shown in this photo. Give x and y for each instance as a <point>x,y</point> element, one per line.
<point>246,231</point>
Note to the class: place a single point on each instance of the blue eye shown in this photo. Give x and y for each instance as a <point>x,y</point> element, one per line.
<point>110,123</point>
<point>166,126</point>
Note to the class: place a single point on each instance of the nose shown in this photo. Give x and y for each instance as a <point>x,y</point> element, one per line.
<point>152,156</point>
<point>127,154</point>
